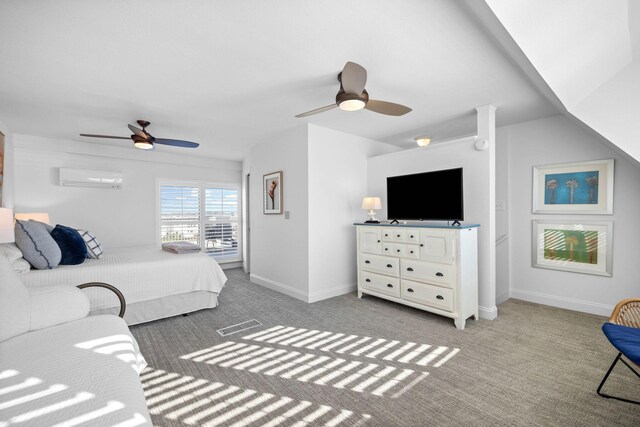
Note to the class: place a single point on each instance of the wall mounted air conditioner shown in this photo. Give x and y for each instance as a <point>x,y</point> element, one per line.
<point>90,178</point>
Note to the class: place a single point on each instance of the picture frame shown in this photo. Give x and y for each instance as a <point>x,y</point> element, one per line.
<point>574,188</point>
<point>574,246</point>
<point>272,193</point>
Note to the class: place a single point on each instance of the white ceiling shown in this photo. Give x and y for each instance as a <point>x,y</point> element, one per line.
<point>230,74</point>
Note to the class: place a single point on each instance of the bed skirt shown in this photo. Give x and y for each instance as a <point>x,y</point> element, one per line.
<point>161,308</point>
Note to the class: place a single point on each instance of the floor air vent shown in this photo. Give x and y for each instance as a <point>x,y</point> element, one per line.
<point>230,330</point>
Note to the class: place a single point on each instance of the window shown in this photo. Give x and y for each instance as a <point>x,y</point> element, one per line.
<point>202,213</point>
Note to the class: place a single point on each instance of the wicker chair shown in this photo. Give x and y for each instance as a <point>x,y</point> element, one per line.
<point>623,332</point>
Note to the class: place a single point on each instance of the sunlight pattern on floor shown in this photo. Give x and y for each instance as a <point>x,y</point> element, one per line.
<point>403,352</point>
<point>18,390</point>
<point>200,402</point>
<point>306,367</point>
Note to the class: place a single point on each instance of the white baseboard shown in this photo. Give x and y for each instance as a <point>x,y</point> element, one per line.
<point>562,302</point>
<point>279,287</point>
<point>228,265</point>
<point>332,292</point>
<point>500,298</point>
<point>488,313</point>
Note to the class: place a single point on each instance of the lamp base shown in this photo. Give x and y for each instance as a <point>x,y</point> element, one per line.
<point>372,221</point>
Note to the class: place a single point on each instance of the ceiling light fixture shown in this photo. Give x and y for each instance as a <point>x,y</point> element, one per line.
<point>143,145</point>
<point>352,105</point>
<point>422,141</point>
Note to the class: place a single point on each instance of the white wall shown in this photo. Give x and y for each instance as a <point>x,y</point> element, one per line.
<point>477,186</point>
<point>557,140</point>
<point>119,218</point>
<point>337,184</point>
<point>9,168</point>
<point>279,250</point>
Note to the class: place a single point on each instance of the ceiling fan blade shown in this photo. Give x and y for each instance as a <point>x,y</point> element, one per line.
<point>388,108</point>
<point>176,143</point>
<point>353,79</point>
<point>137,131</point>
<point>104,136</point>
<point>316,111</point>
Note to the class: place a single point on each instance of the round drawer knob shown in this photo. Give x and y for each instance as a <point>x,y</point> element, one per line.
<point>398,235</point>
<point>378,241</point>
<point>411,251</point>
<point>386,249</point>
<point>439,297</point>
<point>367,280</point>
<point>389,285</point>
<point>411,236</point>
<point>397,250</point>
<point>421,245</point>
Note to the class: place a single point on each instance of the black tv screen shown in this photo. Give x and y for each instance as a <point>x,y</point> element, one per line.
<point>432,196</point>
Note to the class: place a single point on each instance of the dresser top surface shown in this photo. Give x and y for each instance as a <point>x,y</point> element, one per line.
<point>417,225</point>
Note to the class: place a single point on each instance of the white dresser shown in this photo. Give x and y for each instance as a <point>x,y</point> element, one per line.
<point>424,266</point>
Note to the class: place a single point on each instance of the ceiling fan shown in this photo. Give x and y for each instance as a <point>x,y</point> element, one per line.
<point>353,96</point>
<point>144,140</point>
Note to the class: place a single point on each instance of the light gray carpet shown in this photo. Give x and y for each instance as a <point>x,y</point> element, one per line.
<point>534,365</point>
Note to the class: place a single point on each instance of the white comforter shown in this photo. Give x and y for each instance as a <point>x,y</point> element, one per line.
<point>83,372</point>
<point>141,274</point>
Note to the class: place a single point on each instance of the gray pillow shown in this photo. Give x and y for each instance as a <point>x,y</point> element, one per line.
<point>48,227</point>
<point>37,245</point>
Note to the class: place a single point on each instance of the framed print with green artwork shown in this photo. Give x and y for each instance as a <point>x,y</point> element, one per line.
<point>576,246</point>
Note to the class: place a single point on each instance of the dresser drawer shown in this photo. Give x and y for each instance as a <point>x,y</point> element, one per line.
<point>433,296</point>
<point>379,283</point>
<point>412,235</point>
<point>398,235</point>
<point>412,251</point>
<point>380,264</point>
<point>427,271</point>
<point>387,234</point>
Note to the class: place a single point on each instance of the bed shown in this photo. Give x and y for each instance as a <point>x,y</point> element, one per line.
<point>156,284</point>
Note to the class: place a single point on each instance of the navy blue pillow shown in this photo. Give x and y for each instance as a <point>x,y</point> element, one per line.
<point>72,246</point>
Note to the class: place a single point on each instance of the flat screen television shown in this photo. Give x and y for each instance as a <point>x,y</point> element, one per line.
<point>435,196</point>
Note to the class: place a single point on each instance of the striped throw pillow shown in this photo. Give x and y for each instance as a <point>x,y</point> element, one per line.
<point>94,248</point>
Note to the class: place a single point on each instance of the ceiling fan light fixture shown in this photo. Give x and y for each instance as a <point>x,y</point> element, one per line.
<point>422,141</point>
<point>352,105</point>
<point>143,145</point>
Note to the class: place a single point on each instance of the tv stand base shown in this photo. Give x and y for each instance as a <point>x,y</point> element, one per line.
<point>395,221</point>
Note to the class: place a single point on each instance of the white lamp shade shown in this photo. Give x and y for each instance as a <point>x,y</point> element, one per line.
<point>36,216</point>
<point>6,226</point>
<point>371,203</point>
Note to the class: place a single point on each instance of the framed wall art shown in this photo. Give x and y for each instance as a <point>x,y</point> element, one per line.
<point>272,189</point>
<point>576,246</point>
<point>574,188</point>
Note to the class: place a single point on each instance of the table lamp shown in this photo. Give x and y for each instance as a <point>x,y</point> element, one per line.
<point>372,204</point>
<point>6,226</point>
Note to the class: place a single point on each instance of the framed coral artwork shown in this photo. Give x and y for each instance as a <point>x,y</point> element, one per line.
<point>272,189</point>
<point>576,246</point>
<point>574,188</point>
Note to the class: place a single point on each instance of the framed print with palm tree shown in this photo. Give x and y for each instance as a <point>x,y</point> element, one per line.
<point>272,189</point>
<point>576,246</point>
<point>574,188</point>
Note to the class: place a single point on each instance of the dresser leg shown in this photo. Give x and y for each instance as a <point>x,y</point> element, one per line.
<point>359,294</point>
<point>460,323</point>
<point>475,316</point>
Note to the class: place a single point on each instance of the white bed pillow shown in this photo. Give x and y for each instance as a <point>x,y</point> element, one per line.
<point>94,248</point>
<point>10,251</point>
<point>21,266</point>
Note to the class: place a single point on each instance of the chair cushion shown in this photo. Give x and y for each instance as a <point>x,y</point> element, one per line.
<point>71,243</point>
<point>37,245</point>
<point>15,303</point>
<point>625,339</point>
